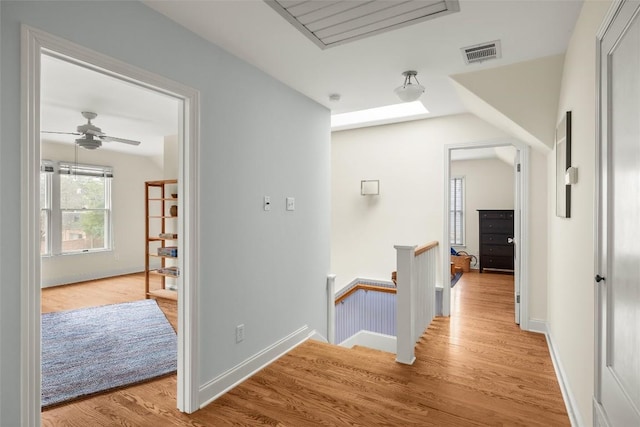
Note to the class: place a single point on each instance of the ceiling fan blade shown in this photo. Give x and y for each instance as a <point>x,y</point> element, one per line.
<point>114,139</point>
<point>62,133</point>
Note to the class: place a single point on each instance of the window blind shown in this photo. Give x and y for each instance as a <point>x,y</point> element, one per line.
<point>85,170</point>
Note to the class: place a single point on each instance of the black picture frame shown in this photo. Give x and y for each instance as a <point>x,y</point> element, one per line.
<point>563,162</point>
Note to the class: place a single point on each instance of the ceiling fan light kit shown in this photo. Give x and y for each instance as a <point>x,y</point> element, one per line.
<point>88,142</point>
<point>409,91</point>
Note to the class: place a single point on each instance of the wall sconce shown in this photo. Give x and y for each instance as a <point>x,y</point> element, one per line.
<point>370,187</point>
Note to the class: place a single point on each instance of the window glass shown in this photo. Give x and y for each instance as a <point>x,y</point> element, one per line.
<point>78,217</point>
<point>456,212</point>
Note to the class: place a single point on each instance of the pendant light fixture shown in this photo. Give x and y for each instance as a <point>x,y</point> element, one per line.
<point>409,91</point>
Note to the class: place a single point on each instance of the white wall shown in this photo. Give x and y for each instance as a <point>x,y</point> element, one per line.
<point>489,184</point>
<point>408,159</point>
<point>570,246</point>
<point>127,190</point>
<point>537,237</point>
<point>518,98</point>
<point>170,157</point>
<point>266,270</point>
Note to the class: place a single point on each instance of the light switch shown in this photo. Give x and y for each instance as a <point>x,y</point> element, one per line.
<point>291,203</point>
<point>267,203</point>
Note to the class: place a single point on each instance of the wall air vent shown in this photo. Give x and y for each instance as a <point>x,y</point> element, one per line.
<point>482,52</point>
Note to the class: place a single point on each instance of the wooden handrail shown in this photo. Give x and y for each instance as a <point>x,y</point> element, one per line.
<point>365,288</point>
<point>424,248</point>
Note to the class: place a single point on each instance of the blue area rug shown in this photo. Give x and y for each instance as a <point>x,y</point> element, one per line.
<point>455,278</point>
<point>91,350</point>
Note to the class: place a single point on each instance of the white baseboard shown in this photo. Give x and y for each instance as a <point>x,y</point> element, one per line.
<point>59,281</point>
<point>565,388</point>
<point>537,325</point>
<point>234,376</point>
<point>373,340</point>
<point>599,418</point>
<point>318,337</point>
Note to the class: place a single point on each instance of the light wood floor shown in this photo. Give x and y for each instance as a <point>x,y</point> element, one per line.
<point>113,290</point>
<point>474,368</point>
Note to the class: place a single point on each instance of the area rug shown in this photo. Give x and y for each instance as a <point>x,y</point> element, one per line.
<point>96,349</point>
<point>455,278</point>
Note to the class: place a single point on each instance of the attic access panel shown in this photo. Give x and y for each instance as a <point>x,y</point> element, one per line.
<point>331,23</point>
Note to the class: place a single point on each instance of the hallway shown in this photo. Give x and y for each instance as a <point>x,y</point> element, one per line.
<point>475,368</point>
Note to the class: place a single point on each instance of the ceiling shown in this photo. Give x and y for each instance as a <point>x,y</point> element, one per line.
<point>365,72</point>
<point>124,110</point>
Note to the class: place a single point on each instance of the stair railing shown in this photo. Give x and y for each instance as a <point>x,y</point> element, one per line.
<point>416,295</point>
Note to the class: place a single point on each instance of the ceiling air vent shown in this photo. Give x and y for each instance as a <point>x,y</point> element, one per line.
<point>331,23</point>
<point>482,52</point>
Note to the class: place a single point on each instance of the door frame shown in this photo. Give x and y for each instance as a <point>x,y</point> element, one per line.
<point>522,246</point>
<point>34,43</point>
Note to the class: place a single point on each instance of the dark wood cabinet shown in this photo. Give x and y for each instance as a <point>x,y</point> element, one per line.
<point>496,228</point>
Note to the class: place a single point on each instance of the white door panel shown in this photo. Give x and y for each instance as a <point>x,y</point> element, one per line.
<point>619,221</point>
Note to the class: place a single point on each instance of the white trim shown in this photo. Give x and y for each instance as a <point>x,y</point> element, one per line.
<point>538,326</point>
<point>524,231</point>
<point>599,416</point>
<point>66,280</point>
<point>567,394</point>
<point>239,373</point>
<point>374,340</point>
<point>34,42</point>
<point>317,336</point>
<point>30,369</point>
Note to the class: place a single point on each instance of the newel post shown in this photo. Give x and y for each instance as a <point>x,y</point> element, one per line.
<point>405,309</point>
<point>331,308</point>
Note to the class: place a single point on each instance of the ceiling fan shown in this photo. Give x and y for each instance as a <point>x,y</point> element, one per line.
<point>92,136</point>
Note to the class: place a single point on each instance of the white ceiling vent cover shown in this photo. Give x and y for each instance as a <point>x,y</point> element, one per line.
<point>482,52</point>
<point>331,23</point>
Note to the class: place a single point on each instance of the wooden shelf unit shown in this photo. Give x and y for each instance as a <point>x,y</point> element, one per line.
<point>158,202</point>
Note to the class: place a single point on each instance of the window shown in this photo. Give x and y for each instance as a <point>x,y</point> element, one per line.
<point>78,216</point>
<point>46,173</point>
<point>456,211</point>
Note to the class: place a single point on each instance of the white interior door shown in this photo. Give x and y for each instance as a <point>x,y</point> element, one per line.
<point>517,215</point>
<point>618,248</point>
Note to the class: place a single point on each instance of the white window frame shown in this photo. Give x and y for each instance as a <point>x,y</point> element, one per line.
<point>46,171</point>
<point>459,235</point>
<point>55,210</point>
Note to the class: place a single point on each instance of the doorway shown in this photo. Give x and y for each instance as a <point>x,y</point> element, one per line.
<point>92,222</point>
<point>521,161</point>
<point>35,44</point>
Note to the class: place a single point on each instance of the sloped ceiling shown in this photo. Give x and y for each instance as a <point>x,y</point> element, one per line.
<point>521,99</point>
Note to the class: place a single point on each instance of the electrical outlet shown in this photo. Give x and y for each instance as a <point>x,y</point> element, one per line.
<point>239,333</point>
<point>291,203</point>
